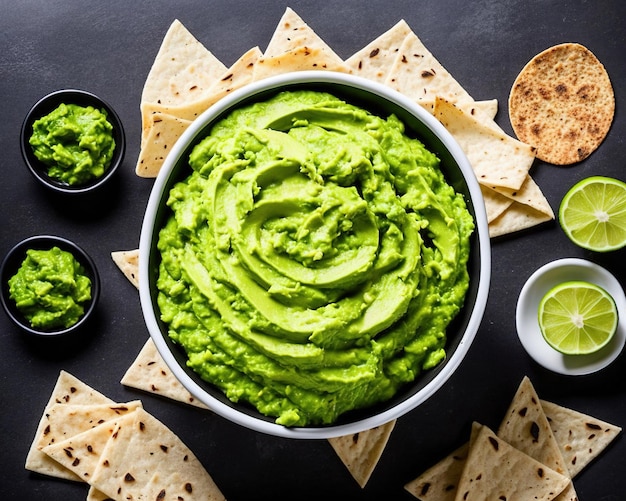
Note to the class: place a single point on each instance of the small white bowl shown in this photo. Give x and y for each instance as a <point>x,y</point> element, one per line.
<point>529,333</point>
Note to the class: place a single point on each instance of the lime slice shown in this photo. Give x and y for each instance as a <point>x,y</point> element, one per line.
<point>593,213</point>
<point>577,318</point>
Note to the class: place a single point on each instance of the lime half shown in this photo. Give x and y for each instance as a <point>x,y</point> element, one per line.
<point>577,318</point>
<point>593,213</point>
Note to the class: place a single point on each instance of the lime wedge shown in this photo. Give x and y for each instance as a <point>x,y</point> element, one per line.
<point>577,318</point>
<point>593,213</point>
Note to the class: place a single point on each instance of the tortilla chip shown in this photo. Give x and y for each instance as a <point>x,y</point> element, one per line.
<point>128,263</point>
<point>234,77</point>
<point>360,452</point>
<point>582,438</point>
<point>67,420</point>
<point>375,60</point>
<point>517,217</point>
<point>496,470</point>
<point>95,495</point>
<point>526,427</point>
<point>162,134</point>
<point>562,102</point>
<point>183,70</point>
<point>67,390</point>
<point>143,459</point>
<point>495,203</point>
<point>417,74</point>
<point>150,373</point>
<point>498,160</point>
<point>293,33</point>
<point>440,481</point>
<point>294,46</point>
<point>81,453</point>
<point>301,59</point>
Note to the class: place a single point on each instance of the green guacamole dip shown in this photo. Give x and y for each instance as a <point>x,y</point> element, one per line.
<point>313,259</point>
<point>75,142</point>
<point>50,289</point>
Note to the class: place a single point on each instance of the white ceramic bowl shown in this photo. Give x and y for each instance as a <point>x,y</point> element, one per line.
<point>378,99</point>
<point>529,332</point>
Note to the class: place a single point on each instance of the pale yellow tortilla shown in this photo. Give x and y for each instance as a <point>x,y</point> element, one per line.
<point>150,373</point>
<point>416,73</point>
<point>128,263</point>
<point>375,60</point>
<point>517,217</point>
<point>292,33</point>
<point>440,481</point>
<point>143,458</point>
<point>498,160</point>
<point>496,470</point>
<point>163,132</point>
<point>526,427</point>
<point>67,420</point>
<point>81,453</point>
<point>582,438</point>
<point>67,390</point>
<point>360,452</point>
<point>183,69</point>
<point>234,77</point>
<point>495,203</point>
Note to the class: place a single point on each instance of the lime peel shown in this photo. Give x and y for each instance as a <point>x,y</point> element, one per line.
<point>593,214</point>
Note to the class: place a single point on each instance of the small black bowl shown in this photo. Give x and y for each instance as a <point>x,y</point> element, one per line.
<point>12,262</point>
<point>48,104</point>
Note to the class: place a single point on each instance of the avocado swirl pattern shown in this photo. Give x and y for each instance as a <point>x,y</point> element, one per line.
<point>313,259</point>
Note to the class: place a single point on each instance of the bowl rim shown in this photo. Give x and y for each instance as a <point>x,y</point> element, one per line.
<point>17,254</point>
<point>483,244</point>
<point>48,103</point>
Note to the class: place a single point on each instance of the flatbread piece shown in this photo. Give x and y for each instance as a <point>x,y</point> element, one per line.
<point>562,102</point>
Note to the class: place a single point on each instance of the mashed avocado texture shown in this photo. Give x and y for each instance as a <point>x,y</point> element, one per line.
<point>50,289</point>
<point>313,258</point>
<point>75,142</point>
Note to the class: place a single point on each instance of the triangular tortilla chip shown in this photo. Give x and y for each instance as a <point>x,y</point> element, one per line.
<point>417,74</point>
<point>525,426</point>
<point>183,69</point>
<point>498,160</point>
<point>440,481</point>
<point>67,390</point>
<point>150,373</point>
<point>163,132</point>
<point>128,263</point>
<point>293,33</point>
<point>517,217</point>
<point>374,61</point>
<point>95,495</point>
<point>300,59</point>
<point>495,203</point>
<point>81,453</point>
<point>360,452</point>
<point>67,420</point>
<point>496,470</point>
<point>143,459</point>
<point>294,46</point>
<point>582,438</point>
<point>234,77</point>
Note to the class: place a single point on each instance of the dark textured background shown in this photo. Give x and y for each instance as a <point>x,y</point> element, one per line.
<point>108,48</point>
